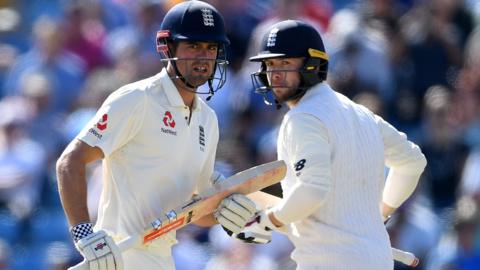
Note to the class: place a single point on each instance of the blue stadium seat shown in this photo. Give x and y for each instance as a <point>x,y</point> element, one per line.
<point>10,227</point>
<point>49,226</point>
<point>28,257</point>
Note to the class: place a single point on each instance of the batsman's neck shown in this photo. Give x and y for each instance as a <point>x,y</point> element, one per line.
<point>187,94</point>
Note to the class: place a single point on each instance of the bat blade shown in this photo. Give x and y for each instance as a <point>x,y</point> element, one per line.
<point>245,182</point>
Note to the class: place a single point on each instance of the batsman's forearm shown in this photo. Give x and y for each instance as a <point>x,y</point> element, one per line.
<point>206,221</point>
<point>72,186</point>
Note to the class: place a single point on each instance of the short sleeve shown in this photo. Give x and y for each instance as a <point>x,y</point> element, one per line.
<point>116,122</point>
<point>307,144</point>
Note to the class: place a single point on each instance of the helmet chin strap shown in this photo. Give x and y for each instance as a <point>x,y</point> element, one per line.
<point>210,90</point>
<point>182,78</point>
<point>298,94</point>
<point>301,90</point>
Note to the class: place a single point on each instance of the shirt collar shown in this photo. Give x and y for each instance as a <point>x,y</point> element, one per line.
<point>320,88</point>
<point>172,93</point>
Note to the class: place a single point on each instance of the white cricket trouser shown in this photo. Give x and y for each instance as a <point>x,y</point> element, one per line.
<point>136,259</point>
<point>155,255</point>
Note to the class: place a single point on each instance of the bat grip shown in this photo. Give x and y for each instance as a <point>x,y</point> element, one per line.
<point>125,244</point>
<point>404,257</point>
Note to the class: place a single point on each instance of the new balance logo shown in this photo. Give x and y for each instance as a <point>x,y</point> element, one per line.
<point>207,17</point>
<point>272,37</point>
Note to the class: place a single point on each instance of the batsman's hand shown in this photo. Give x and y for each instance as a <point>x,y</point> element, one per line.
<point>234,212</point>
<point>100,252</point>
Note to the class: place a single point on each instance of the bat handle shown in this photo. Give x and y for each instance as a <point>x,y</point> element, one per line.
<point>404,257</point>
<point>125,244</point>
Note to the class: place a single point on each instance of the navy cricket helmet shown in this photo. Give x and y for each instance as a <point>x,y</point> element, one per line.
<point>194,21</point>
<point>291,39</point>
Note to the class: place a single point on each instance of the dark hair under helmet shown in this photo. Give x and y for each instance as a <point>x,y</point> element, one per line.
<point>194,21</point>
<point>289,39</point>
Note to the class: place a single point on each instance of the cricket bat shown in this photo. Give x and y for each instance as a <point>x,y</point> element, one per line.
<point>265,200</point>
<point>245,182</point>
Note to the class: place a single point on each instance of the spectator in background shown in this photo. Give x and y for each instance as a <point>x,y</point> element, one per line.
<point>137,39</point>
<point>467,225</point>
<point>8,55</point>
<point>235,255</point>
<point>416,228</point>
<point>193,250</point>
<point>468,92</point>
<point>85,33</point>
<point>98,86</point>
<point>434,44</point>
<point>470,183</point>
<point>59,256</point>
<point>282,10</point>
<point>22,160</point>
<point>353,50</point>
<point>45,126</point>
<point>64,70</point>
<point>443,149</point>
<point>5,255</point>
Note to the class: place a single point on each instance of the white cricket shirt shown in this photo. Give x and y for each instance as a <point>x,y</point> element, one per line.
<point>155,157</point>
<point>338,149</point>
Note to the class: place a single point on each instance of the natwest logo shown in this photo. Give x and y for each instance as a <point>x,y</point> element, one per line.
<point>102,123</point>
<point>168,120</point>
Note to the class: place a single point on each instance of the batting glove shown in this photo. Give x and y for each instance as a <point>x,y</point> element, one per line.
<point>234,212</point>
<point>257,231</point>
<point>98,248</point>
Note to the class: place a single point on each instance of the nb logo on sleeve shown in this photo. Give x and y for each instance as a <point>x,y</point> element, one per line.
<point>300,165</point>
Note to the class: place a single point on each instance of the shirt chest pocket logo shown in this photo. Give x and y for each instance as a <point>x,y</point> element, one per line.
<point>168,120</point>
<point>169,123</point>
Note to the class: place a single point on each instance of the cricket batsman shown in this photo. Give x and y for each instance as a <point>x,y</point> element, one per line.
<point>157,140</point>
<point>335,197</point>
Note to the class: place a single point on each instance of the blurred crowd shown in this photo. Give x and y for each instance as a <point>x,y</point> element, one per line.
<point>414,62</point>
